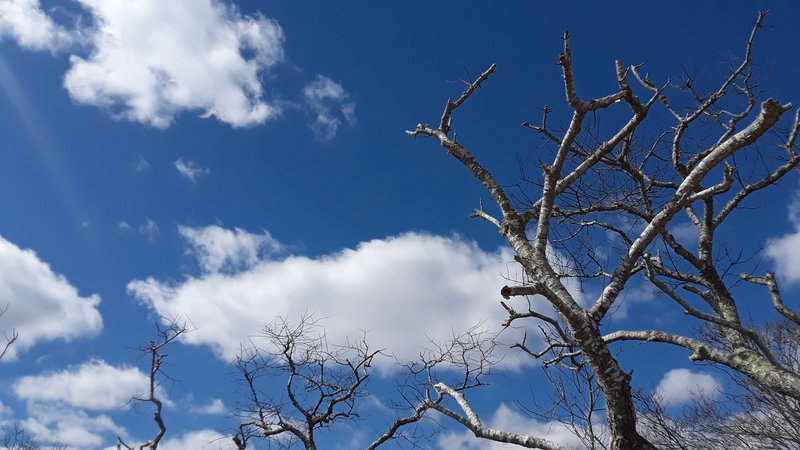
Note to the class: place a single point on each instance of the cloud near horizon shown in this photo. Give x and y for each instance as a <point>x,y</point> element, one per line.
<point>403,291</point>
<point>63,405</point>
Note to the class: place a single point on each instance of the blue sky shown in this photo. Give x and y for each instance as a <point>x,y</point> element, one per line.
<point>230,162</point>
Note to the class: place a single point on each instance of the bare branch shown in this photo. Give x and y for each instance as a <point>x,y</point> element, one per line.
<point>777,299</point>
<point>155,350</point>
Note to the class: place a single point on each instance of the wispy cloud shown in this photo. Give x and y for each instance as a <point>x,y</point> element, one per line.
<point>328,102</point>
<point>141,164</point>
<point>149,229</point>
<point>190,169</point>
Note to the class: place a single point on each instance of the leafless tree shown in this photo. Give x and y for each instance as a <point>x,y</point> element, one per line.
<point>155,350</point>
<point>323,382</point>
<point>14,437</point>
<point>632,184</point>
<point>443,372</point>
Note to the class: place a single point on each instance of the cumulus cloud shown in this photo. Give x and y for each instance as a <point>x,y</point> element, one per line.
<point>505,418</point>
<point>327,101</point>
<point>401,290</point>
<point>148,60</point>
<point>30,286</point>
<point>94,385</point>
<point>190,169</point>
<point>217,248</point>
<point>679,386</point>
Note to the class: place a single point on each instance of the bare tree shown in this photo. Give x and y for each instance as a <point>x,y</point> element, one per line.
<point>632,184</point>
<point>323,382</point>
<point>460,364</point>
<point>14,437</point>
<point>155,350</point>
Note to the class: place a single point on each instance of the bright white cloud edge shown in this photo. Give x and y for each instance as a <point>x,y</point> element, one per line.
<point>403,291</point>
<point>148,61</point>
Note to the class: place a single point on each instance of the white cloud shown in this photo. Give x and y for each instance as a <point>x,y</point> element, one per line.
<point>785,250</point>
<point>217,248</point>
<point>505,418</point>
<point>401,290</point>
<point>198,440</point>
<point>679,386</point>
<point>149,60</point>
<point>30,287</point>
<point>215,407</point>
<point>325,97</point>
<point>93,385</point>
<point>25,22</point>
<point>190,169</point>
